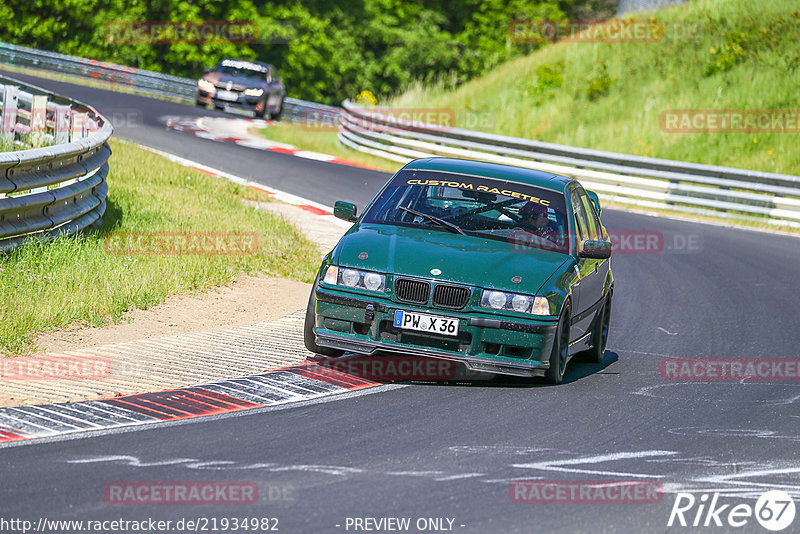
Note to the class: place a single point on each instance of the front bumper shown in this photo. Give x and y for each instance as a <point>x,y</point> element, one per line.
<point>251,103</point>
<point>485,343</point>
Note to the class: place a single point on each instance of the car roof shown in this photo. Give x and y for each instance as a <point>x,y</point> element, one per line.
<point>545,180</point>
<point>261,63</point>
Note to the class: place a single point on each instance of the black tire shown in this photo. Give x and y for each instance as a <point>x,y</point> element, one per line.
<point>599,334</point>
<point>199,104</point>
<point>560,351</point>
<point>277,114</point>
<point>309,339</point>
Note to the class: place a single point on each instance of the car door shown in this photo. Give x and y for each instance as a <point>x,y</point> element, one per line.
<point>598,233</point>
<point>589,287</point>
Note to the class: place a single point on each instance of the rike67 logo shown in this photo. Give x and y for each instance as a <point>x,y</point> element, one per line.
<point>774,510</point>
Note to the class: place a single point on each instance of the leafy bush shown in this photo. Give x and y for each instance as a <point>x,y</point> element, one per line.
<point>599,83</point>
<point>330,49</point>
<point>548,78</point>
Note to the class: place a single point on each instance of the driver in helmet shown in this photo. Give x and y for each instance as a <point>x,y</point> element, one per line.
<point>533,218</point>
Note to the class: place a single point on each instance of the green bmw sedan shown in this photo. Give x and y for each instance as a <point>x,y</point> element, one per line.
<point>501,268</point>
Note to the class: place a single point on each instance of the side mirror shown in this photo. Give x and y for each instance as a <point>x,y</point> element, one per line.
<point>595,200</point>
<point>345,211</point>
<point>595,250</point>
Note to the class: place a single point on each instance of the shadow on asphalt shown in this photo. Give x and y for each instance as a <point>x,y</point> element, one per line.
<point>446,373</point>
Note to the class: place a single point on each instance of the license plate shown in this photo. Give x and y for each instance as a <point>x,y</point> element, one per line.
<point>228,95</point>
<point>426,323</point>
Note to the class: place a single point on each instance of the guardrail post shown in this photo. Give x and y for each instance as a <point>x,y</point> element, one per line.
<point>77,127</point>
<point>61,125</point>
<point>8,119</point>
<point>38,119</point>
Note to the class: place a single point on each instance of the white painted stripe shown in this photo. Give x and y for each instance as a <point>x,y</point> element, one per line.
<point>16,422</point>
<point>56,411</point>
<point>314,155</point>
<point>24,413</point>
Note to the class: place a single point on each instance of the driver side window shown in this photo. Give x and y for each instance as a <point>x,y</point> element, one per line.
<point>581,223</point>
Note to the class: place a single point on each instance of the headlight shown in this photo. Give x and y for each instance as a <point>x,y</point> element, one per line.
<point>253,92</point>
<point>515,302</point>
<point>205,85</point>
<point>355,278</point>
<point>373,281</point>
<point>495,299</point>
<point>349,277</point>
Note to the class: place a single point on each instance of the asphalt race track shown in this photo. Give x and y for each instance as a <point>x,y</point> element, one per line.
<point>427,451</point>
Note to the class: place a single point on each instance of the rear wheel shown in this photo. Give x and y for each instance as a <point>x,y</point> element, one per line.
<point>599,334</point>
<point>558,355</point>
<point>309,339</point>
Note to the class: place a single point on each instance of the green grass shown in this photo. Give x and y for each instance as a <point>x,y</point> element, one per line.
<point>73,280</point>
<point>715,54</point>
<point>323,141</point>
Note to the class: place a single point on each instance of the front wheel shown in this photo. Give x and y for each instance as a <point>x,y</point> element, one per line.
<point>560,351</point>
<point>262,113</point>
<point>276,115</point>
<point>309,339</point>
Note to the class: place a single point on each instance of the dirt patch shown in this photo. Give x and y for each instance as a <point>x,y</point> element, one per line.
<point>250,299</point>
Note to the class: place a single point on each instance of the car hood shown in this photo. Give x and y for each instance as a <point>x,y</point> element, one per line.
<point>221,78</point>
<point>462,259</point>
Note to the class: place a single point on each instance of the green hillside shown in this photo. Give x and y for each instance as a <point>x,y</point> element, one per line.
<point>714,55</point>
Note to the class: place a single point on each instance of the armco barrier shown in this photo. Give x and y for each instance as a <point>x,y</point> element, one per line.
<point>59,187</point>
<point>632,180</point>
<point>144,81</point>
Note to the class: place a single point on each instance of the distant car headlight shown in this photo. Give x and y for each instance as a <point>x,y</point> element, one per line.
<point>205,85</point>
<point>253,92</point>
<point>500,300</point>
<point>355,278</point>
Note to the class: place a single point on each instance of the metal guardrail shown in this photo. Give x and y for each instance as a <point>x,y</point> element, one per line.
<point>144,81</point>
<point>632,180</point>
<point>50,190</point>
<point>626,179</point>
<point>628,6</point>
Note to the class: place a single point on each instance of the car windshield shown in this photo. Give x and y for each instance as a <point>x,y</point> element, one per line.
<point>242,72</point>
<point>523,215</point>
